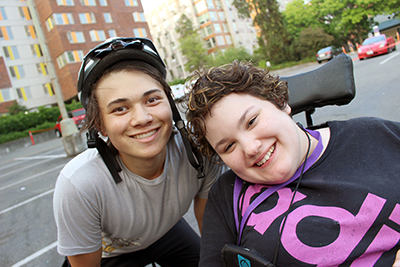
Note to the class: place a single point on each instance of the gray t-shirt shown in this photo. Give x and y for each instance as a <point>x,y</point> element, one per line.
<point>91,210</point>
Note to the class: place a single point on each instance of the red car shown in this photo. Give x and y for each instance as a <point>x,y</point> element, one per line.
<point>376,45</point>
<point>78,115</point>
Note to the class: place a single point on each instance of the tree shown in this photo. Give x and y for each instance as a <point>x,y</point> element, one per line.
<point>16,108</point>
<point>274,41</point>
<point>191,44</point>
<point>312,39</point>
<point>229,55</point>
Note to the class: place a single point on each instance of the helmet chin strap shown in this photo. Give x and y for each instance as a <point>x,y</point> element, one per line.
<point>194,156</point>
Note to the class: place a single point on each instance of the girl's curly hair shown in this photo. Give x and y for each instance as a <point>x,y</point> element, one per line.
<point>211,85</point>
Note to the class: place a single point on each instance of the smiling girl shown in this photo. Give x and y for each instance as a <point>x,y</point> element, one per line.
<point>293,196</point>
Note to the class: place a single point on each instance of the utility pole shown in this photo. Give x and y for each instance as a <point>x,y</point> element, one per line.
<point>72,139</point>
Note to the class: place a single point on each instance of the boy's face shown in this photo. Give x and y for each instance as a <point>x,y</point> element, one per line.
<point>258,141</point>
<point>136,115</point>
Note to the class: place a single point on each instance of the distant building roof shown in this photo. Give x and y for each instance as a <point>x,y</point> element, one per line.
<point>389,24</point>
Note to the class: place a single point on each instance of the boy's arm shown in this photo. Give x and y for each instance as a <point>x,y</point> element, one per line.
<point>199,206</point>
<point>86,260</point>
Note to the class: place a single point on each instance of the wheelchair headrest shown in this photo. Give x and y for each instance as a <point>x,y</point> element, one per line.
<point>331,84</point>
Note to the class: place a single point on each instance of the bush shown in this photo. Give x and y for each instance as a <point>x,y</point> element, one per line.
<point>17,126</point>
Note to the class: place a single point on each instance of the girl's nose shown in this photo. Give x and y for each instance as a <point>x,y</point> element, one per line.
<point>251,148</point>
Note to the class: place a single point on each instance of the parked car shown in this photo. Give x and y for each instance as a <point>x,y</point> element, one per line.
<point>376,45</point>
<point>327,53</point>
<point>78,115</point>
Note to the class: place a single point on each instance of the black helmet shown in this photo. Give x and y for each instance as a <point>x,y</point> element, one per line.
<point>104,56</point>
<point>113,51</point>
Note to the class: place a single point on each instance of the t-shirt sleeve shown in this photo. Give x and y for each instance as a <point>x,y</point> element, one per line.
<point>212,172</point>
<point>218,222</point>
<point>77,219</point>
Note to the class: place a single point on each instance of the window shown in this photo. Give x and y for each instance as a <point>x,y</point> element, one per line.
<point>69,57</point>
<point>200,7</point>
<point>210,4</point>
<point>138,16</point>
<point>88,2</point>
<point>204,18</point>
<point>131,2</point>
<point>36,50</point>
<point>107,17</point>
<point>218,4</point>
<point>217,28</point>
<point>24,13</point>
<point>11,52</point>
<point>221,15</point>
<point>210,42</point>
<point>6,33</point>
<point>75,37</point>
<point>220,40</point>
<point>3,14</point>
<point>48,89</point>
<point>17,72</point>
<point>112,33</point>
<point>225,27</point>
<point>213,16</point>
<point>5,95</point>
<point>42,68</point>
<point>30,31</point>
<point>97,36</point>
<point>228,39</point>
<point>140,32</point>
<point>87,18</point>
<point>24,93</point>
<point>59,19</point>
<point>207,30</point>
<point>103,2</point>
<point>65,2</point>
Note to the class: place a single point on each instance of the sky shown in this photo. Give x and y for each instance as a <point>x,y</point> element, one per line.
<point>150,4</point>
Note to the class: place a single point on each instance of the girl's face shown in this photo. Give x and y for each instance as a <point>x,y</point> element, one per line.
<point>258,141</point>
<point>136,115</point>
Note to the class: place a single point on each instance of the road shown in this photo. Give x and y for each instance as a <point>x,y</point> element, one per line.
<point>27,176</point>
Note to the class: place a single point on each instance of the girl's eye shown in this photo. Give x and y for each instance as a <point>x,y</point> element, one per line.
<point>251,122</point>
<point>228,147</point>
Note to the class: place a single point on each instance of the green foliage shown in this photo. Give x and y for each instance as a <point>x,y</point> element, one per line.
<point>229,55</point>
<point>177,81</point>
<point>16,108</point>
<point>191,44</point>
<point>311,40</point>
<point>13,127</point>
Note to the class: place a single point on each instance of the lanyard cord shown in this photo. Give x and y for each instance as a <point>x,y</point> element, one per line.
<point>264,195</point>
<point>291,201</point>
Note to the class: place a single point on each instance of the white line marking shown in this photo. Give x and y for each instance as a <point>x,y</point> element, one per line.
<point>42,157</point>
<point>25,167</point>
<point>27,201</point>
<point>389,58</point>
<point>32,177</point>
<point>35,255</point>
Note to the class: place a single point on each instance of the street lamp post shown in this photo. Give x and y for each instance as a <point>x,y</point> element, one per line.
<point>72,139</point>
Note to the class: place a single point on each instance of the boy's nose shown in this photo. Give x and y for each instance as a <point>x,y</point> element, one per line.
<point>141,117</point>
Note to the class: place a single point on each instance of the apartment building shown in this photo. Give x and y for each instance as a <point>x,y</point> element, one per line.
<point>219,24</point>
<point>70,29</point>
<point>23,70</point>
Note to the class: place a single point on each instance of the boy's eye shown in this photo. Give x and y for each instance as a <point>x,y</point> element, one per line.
<point>152,100</point>
<point>119,109</point>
